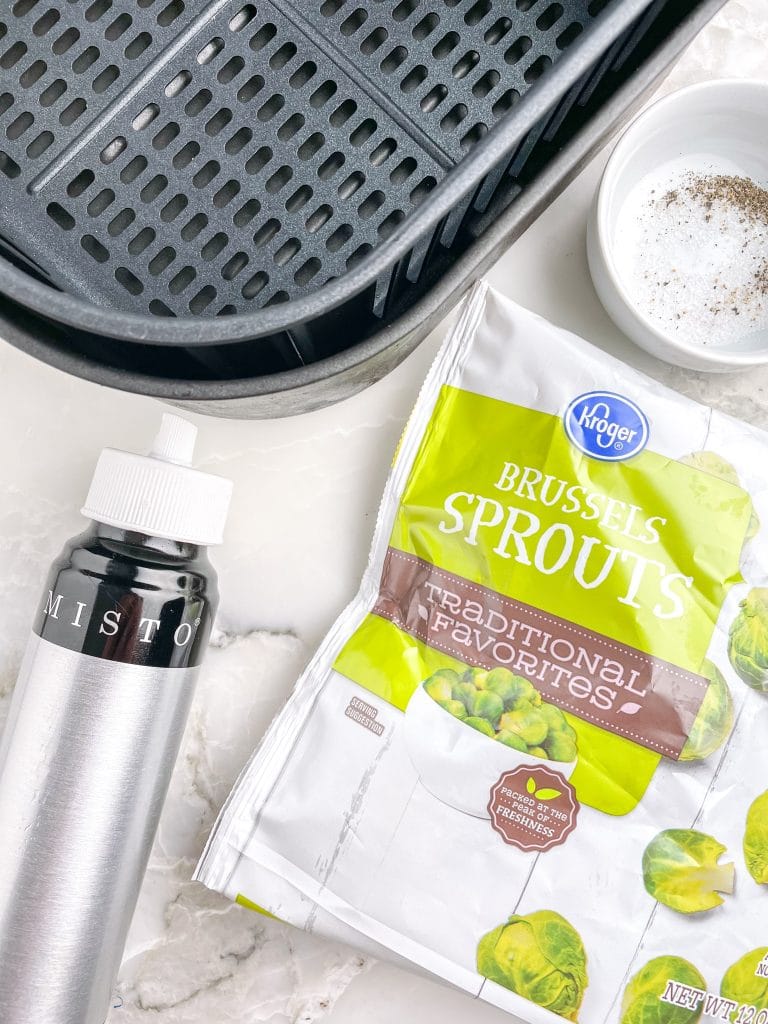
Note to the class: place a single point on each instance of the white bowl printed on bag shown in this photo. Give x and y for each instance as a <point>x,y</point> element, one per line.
<point>456,763</point>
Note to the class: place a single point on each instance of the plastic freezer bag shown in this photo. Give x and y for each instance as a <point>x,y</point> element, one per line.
<point>530,757</point>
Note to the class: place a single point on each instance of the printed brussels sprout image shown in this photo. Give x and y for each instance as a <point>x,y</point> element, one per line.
<point>465,729</point>
<point>539,956</point>
<point>748,640</point>
<point>507,708</point>
<point>715,718</point>
<point>743,982</point>
<point>716,465</point>
<point>641,1003</point>
<point>756,840</point>
<point>681,870</point>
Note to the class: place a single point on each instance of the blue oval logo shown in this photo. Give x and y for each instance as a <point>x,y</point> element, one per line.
<point>606,426</point>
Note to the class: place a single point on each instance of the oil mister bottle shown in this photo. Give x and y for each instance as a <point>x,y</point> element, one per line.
<point>95,725</point>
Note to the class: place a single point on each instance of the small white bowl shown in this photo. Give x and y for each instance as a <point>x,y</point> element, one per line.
<point>721,125</point>
<point>455,762</point>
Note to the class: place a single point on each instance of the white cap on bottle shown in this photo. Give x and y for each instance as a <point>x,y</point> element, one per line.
<point>159,494</point>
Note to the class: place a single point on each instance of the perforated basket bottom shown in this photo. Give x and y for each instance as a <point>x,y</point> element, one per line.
<point>186,157</point>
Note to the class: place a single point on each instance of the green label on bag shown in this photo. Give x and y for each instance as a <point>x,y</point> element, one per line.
<point>515,519</point>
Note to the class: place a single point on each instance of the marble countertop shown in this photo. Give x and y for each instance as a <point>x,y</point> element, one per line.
<point>306,494</point>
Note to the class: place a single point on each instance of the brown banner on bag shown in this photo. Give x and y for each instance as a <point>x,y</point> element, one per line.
<point>596,678</point>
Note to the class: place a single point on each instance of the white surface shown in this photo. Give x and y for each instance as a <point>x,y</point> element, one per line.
<point>306,492</point>
<point>679,277</point>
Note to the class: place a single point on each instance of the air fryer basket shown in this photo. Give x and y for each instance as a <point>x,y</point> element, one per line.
<point>240,200</point>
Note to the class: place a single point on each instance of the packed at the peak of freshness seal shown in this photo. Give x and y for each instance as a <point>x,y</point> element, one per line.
<point>531,756</point>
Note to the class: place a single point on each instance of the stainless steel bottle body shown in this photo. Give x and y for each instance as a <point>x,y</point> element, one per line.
<point>85,762</point>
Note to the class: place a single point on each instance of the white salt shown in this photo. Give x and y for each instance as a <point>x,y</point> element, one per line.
<point>694,257</point>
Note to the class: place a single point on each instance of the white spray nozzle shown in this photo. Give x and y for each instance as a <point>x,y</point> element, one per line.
<point>175,440</point>
<point>160,494</point>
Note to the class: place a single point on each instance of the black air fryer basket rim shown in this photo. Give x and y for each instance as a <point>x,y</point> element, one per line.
<point>435,304</point>
<point>81,314</point>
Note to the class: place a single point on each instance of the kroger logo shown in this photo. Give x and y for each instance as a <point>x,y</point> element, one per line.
<point>606,426</point>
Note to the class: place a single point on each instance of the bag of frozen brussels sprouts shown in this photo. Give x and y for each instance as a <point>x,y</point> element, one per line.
<point>531,756</point>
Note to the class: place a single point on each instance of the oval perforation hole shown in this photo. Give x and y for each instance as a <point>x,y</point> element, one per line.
<point>203,299</point>
<point>170,13</point>
<point>60,216</point>
<point>569,35</point>
<point>39,145</point>
<point>255,284</point>
<point>174,207</point>
<point>161,261</point>
<point>465,64</point>
<point>474,135</point>
<point>425,27</point>
<point>178,84</point>
<point>505,102</point>
<point>80,183</point>
<point>216,124</point>
<point>167,134</point>
<point>486,83</point>
<point>193,227</point>
<point>133,169</point>
<point>246,213</point>
<point>229,72</point>
<point>206,174</point>
<point>299,199</point>
<point>73,111</point>
<point>226,194</point>
<point>394,60</point>
<point>404,9</point>
<point>97,10</point>
<point>181,281</point>
<point>129,281</point>
<point>13,55</point>
<point>154,188</point>
<point>331,166</point>
<point>283,55</point>
<point>20,124</point>
<point>390,223</point>
<point>145,117</point>
<point>383,152</point>
<point>339,238</point>
<point>549,17</point>
<point>65,41</point>
<point>251,88</point>
<point>258,160</point>
<point>118,27</point>
<point>351,184</point>
<point>307,271</point>
<point>85,60</point>
<point>414,78</point>
<point>372,42</point>
<point>537,69</point>
<point>354,22</point>
<point>94,248</point>
<point>433,98</point>
<point>263,37</point>
<point>44,24</point>
<point>497,31</point>
<point>477,12</point>
<point>303,74</point>
<point>8,165</point>
<point>101,202</point>
<point>105,79</point>
<point>141,242</point>
<point>138,45</point>
<point>518,50</point>
<point>198,103</point>
<point>371,204</point>
<point>266,232</point>
<point>53,92</point>
<point>238,141</point>
<point>113,149</point>
<point>287,251</point>
<point>311,146</point>
<point>186,155</point>
<point>210,51</point>
<point>243,18</point>
<point>158,308</point>
<point>317,219</point>
<point>342,113</point>
<point>291,127</point>
<point>214,246</point>
<point>121,222</point>
<point>33,74</point>
<point>235,265</point>
<point>364,131</point>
